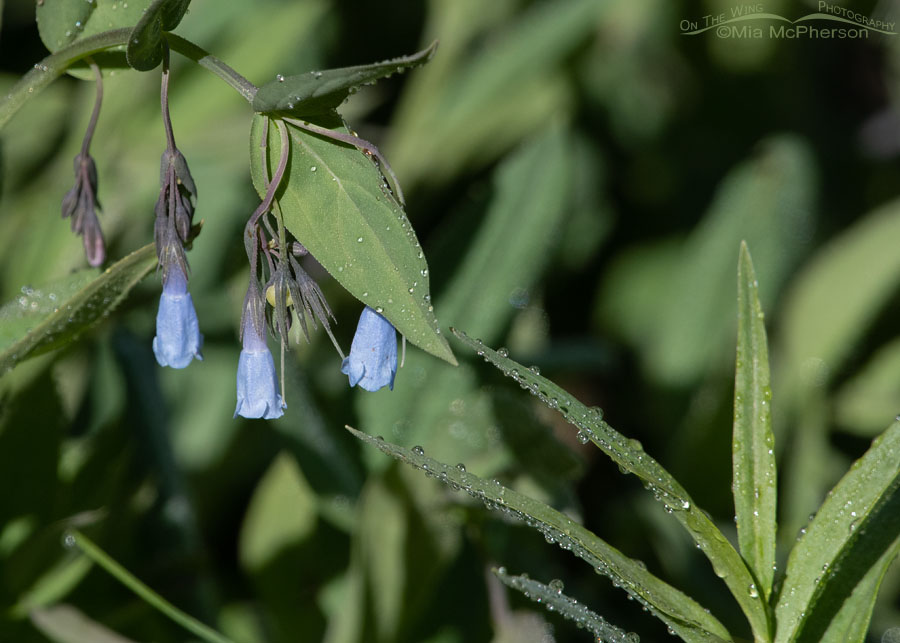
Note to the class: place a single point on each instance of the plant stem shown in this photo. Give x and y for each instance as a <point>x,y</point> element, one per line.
<point>95,114</point>
<point>125,577</point>
<point>189,50</point>
<point>54,65</point>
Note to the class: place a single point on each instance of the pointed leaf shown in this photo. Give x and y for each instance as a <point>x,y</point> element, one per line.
<point>851,624</point>
<point>319,92</point>
<point>677,610</point>
<point>555,601</point>
<point>753,442</point>
<point>630,456</point>
<point>856,525</point>
<point>42,320</point>
<point>145,47</point>
<point>337,204</point>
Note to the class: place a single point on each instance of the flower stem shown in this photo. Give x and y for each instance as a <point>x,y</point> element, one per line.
<point>92,125</point>
<point>97,555</point>
<point>189,50</point>
<point>54,65</point>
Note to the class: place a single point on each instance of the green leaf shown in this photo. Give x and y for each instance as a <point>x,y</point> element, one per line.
<point>857,523</point>
<point>62,22</point>
<point>337,204</point>
<point>870,398</point>
<point>319,92</point>
<point>145,46</point>
<point>837,296</point>
<point>41,320</point>
<point>67,624</point>
<point>754,477</point>
<point>851,624</point>
<point>552,597</point>
<point>765,201</point>
<point>511,248</point>
<point>678,611</point>
<point>281,514</point>
<point>630,457</point>
<point>495,87</point>
<point>524,220</point>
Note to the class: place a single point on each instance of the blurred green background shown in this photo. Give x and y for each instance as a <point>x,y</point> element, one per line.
<point>580,175</point>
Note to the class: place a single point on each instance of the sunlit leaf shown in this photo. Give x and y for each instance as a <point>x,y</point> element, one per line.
<point>319,92</point>
<point>753,442</point>
<point>858,522</point>
<point>337,204</point>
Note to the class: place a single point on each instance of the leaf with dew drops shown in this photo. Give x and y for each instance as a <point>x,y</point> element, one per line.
<point>552,597</point>
<point>41,320</point>
<point>320,92</point>
<point>855,526</point>
<point>338,205</point>
<point>753,443</point>
<point>631,457</point>
<point>680,612</point>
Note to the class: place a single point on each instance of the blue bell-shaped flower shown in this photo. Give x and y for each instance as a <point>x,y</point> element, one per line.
<point>257,383</point>
<point>178,337</point>
<point>372,363</point>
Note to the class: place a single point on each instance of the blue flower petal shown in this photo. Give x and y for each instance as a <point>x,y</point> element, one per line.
<point>372,363</point>
<point>257,386</point>
<point>178,337</point>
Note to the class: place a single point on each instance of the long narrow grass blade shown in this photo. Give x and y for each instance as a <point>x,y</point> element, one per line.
<point>753,444</point>
<point>630,457</point>
<point>680,612</point>
<point>555,601</point>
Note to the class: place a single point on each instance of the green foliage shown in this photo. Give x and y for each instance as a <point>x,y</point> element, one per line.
<point>55,315</point>
<point>145,45</point>
<point>579,176</point>
<point>754,478</point>
<point>366,241</point>
<point>321,92</point>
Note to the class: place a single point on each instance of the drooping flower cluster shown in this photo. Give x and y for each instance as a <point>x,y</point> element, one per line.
<point>276,277</point>
<point>178,339</point>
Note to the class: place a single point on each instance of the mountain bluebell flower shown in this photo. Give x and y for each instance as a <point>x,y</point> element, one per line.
<point>372,363</point>
<point>178,337</point>
<point>257,383</point>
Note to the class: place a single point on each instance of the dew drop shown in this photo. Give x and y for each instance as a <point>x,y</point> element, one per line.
<point>502,352</point>
<point>418,450</point>
<point>279,78</point>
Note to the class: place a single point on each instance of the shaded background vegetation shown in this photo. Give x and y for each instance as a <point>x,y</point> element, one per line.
<point>580,175</point>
